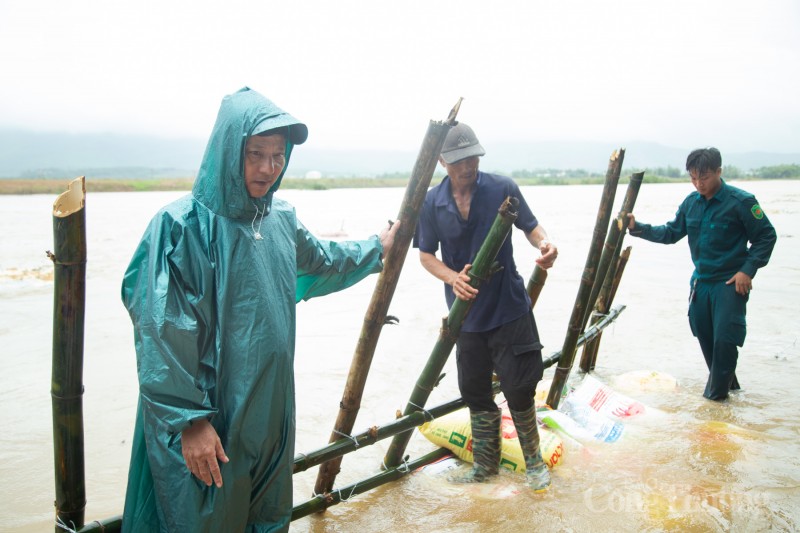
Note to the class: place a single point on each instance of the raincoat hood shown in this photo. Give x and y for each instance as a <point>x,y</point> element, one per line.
<point>220,182</point>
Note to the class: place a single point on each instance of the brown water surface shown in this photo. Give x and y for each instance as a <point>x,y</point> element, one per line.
<point>686,464</point>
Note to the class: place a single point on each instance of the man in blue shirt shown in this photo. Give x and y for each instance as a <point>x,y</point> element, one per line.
<point>499,334</point>
<point>719,220</point>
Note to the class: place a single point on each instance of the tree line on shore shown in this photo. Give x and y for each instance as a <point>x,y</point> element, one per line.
<point>57,184</point>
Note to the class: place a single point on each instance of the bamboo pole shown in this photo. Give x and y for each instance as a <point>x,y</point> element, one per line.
<point>109,525</point>
<point>579,315</point>
<point>375,316</point>
<point>621,262</point>
<point>323,501</point>
<point>69,282</point>
<point>606,292</point>
<point>605,274</point>
<point>604,300</point>
<point>482,268</point>
<point>536,284</point>
<point>374,434</point>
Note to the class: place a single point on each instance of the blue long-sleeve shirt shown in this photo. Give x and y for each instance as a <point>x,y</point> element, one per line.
<point>719,230</point>
<point>503,298</point>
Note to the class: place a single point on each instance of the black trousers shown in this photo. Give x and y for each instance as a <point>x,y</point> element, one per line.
<point>513,352</point>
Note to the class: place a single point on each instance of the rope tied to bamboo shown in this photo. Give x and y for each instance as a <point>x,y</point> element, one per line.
<point>342,498</point>
<point>424,411</point>
<point>63,525</point>
<point>352,438</point>
<point>403,467</point>
<point>325,496</point>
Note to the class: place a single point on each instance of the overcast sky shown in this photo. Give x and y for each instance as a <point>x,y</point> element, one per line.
<point>683,73</point>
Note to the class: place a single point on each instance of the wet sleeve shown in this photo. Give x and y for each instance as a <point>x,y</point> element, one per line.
<point>760,233</point>
<point>168,290</point>
<point>324,266</point>
<point>669,233</point>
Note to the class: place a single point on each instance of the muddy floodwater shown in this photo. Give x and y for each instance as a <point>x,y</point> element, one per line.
<point>684,464</point>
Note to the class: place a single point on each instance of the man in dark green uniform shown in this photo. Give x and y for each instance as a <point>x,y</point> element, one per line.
<point>720,220</point>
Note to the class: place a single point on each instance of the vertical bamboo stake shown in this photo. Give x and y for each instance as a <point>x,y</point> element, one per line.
<point>69,258</point>
<point>605,273</point>
<point>536,284</point>
<point>622,260</point>
<point>384,290</point>
<point>579,315</point>
<point>482,268</point>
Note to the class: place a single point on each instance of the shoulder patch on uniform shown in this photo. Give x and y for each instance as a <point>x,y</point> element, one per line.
<point>757,212</point>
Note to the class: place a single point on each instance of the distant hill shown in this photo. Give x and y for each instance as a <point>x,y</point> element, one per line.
<point>34,154</point>
<point>26,154</point>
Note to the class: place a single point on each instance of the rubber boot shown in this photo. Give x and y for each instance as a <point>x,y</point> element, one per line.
<point>485,447</point>
<point>537,476</point>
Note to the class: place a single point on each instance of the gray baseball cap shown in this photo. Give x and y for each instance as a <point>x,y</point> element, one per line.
<point>461,143</point>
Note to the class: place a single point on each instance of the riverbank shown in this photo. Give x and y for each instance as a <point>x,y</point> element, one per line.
<point>57,186</point>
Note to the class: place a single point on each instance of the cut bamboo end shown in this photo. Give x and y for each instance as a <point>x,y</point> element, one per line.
<point>451,118</point>
<point>72,200</point>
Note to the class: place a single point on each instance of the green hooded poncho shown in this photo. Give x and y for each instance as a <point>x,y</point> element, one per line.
<point>213,310</point>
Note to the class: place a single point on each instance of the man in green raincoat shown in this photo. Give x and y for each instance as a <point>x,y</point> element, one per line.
<point>211,291</point>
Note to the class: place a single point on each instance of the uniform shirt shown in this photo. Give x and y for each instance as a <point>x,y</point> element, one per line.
<point>503,298</point>
<point>719,230</point>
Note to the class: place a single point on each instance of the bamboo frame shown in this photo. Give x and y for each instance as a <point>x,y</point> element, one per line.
<point>69,311</point>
